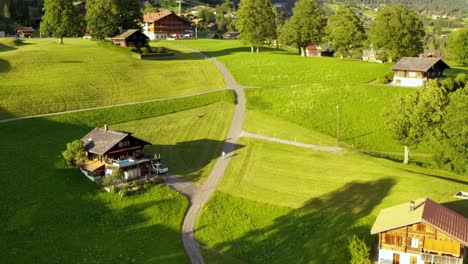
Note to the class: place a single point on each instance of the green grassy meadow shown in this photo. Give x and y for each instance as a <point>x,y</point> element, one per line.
<point>51,213</point>
<point>41,76</point>
<point>284,204</point>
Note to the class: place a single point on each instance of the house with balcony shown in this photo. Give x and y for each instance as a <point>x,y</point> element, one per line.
<point>421,232</point>
<point>107,150</point>
<point>412,71</point>
<point>163,25</point>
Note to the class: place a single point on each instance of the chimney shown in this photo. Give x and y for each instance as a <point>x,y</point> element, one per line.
<point>411,206</point>
<point>106,128</point>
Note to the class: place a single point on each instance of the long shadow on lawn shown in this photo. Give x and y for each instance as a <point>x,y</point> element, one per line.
<point>440,177</point>
<point>189,158</point>
<point>4,66</point>
<point>316,233</point>
<point>52,214</point>
<point>460,206</point>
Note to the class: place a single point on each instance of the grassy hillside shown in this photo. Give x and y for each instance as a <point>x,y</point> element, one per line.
<point>41,76</point>
<point>278,67</point>
<point>283,204</point>
<point>52,214</point>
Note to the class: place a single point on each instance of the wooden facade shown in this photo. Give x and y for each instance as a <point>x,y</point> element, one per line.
<point>164,25</point>
<point>24,32</point>
<point>416,71</point>
<point>420,238</point>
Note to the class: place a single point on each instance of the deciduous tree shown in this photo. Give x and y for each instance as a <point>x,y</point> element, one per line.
<point>412,117</point>
<point>75,153</point>
<point>60,19</point>
<point>457,46</point>
<point>256,22</point>
<point>102,18</point>
<point>346,33</point>
<point>398,32</point>
<point>305,26</point>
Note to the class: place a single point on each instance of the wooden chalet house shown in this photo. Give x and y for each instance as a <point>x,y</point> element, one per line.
<point>412,71</point>
<point>131,38</point>
<point>421,232</point>
<point>107,149</point>
<point>163,25</point>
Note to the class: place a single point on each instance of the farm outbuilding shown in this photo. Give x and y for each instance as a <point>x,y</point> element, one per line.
<point>131,38</point>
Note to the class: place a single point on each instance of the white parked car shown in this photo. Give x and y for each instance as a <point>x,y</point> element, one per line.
<point>159,168</point>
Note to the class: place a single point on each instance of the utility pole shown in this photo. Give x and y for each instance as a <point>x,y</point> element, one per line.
<point>180,6</point>
<point>338,124</point>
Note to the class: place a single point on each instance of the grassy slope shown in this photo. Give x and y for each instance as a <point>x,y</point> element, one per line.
<point>278,67</point>
<point>189,142</point>
<point>271,208</point>
<point>52,214</point>
<point>41,76</point>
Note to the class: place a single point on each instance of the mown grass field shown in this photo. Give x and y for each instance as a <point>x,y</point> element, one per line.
<point>283,204</point>
<point>41,76</point>
<point>52,214</point>
<point>360,113</point>
<point>280,67</point>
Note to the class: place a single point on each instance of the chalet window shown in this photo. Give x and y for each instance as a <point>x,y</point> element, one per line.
<point>393,240</point>
<point>400,74</point>
<point>414,242</point>
<point>412,74</point>
<point>421,227</point>
<point>124,143</point>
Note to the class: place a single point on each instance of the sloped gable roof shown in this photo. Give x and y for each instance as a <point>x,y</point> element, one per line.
<point>152,17</point>
<point>418,64</point>
<point>128,33</point>
<point>426,211</point>
<point>99,140</point>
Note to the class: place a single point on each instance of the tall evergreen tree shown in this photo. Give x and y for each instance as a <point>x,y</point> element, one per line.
<point>60,19</point>
<point>256,22</point>
<point>305,26</point>
<point>102,18</point>
<point>346,33</point>
<point>398,32</point>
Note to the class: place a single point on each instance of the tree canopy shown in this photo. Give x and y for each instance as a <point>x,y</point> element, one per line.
<point>457,46</point>
<point>305,26</point>
<point>397,32</point>
<point>102,18</point>
<point>256,22</point>
<point>60,19</point>
<point>346,33</point>
<point>129,13</point>
<point>75,152</point>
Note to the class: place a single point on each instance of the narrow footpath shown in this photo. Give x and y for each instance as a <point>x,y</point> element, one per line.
<point>199,194</point>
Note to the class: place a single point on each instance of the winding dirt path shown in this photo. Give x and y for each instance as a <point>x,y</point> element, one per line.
<point>199,194</point>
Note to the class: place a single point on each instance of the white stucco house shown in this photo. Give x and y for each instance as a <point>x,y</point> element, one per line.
<point>414,72</point>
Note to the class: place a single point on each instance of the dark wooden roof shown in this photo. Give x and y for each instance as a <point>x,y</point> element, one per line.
<point>100,140</point>
<point>128,33</point>
<point>426,211</point>
<point>419,64</point>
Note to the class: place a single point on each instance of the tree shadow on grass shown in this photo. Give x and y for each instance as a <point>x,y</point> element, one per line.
<point>316,233</point>
<point>4,65</point>
<point>190,158</point>
<point>4,47</point>
<point>459,206</point>
<point>439,177</point>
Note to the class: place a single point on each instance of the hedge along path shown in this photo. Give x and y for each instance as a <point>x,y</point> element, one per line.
<point>199,195</point>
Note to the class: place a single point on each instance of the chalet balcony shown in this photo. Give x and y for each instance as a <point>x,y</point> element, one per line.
<point>431,258</point>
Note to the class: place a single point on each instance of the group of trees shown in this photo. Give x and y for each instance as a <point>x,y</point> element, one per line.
<point>397,31</point>
<point>103,18</point>
<point>434,114</point>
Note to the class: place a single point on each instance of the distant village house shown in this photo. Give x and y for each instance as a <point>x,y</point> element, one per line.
<point>421,232</point>
<point>24,32</point>
<point>163,25</point>
<point>107,149</point>
<point>313,50</point>
<point>411,71</point>
<point>131,38</point>
<point>231,35</point>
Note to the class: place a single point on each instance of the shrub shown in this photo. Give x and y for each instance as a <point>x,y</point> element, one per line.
<point>147,49</point>
<point>384,79</point>
<point>147,184</point>
<point>123,191</point>
<point>162,50</point>
<point>358,250</point>
<point>75,153</point>
<point>112,179</point>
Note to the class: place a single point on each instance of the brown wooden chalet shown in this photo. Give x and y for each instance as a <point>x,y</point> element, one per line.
<point>24,32</point>
<point>412,71</point>
<point>162,25</point>
<point>107,149</point>
<point>421,232</point>
<point>131,38</point>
